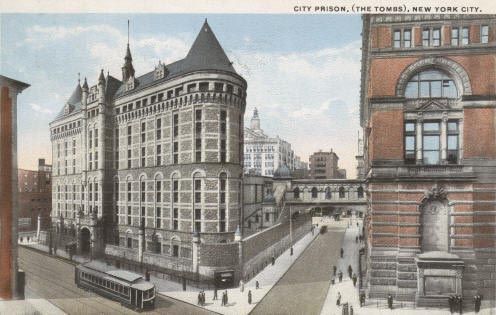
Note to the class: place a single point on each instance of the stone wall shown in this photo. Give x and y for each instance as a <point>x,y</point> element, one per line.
<point>259,248</point>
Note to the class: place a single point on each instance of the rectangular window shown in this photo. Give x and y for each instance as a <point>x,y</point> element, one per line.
<point>407,38</point>
<point>455,36</point>
<point>203,86</point>
<point>129,192</point>
<point>176,152</point>
<point>197,190</point>
<point>219,87</point>
<point>96,160</point>
<point>431,143</point>
<point>90,138</point>
<point>223,151</point>
<point>143,157</point>
<point>178,91</point>
<point>175,191</point>
<point>222,218</point>
<point>452,142</point>
<point>96,191</point>
<point>90,192</point>
<point>129,135</point>
<point>73,166</point>
<point>198,135</point>
<point>191,87</point>
<point>223,116</point>
<point>96,137</point>
<point>143,132</point>
<point>175,224</point>
<point>198,220</point>
<point>397,39</point>
<point>229,89</point>
<point>170,94</point>
<point>436,37</point>
<point>465,35</point>
<point>175,123</point>
<point>73,146</point>
<point>128,158</point>
<point>175,250</point>
<point>158,191</point>
<point>90,161</point>
<point>159,129</point>
<point>426,37</point>
<point>484,34</point>
<point>159,155</point>
<point>129,216</point>
<point>158,217</point>
<point>143,191</point>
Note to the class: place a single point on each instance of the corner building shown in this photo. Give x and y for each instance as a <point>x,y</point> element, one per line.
<point>148,169</point>
<point>428,110</point>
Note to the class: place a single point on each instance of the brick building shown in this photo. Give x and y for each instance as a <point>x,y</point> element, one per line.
<point>325,165</point>
<point>9,285</point>
<point>35,196</point>
<point>428,110</point>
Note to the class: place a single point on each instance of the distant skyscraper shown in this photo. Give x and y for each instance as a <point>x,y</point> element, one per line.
<point>264,154</point>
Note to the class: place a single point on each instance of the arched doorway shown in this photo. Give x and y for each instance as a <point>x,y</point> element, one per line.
<point>85,236</point>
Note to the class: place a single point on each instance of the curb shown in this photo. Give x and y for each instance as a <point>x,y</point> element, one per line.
<point>199,307</point>
<point>282,276</point>
<point>67,260</point>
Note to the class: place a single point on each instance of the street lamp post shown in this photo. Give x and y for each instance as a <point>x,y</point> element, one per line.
<point>290,232</point>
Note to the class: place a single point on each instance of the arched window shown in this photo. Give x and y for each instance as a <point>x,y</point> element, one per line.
<point>328,193</point>
<point>314,192</point>
<point>222,201</point>
<point>360,192</point>
<point>431,83</point>
<point>296,193</point>
<point>341,192</point>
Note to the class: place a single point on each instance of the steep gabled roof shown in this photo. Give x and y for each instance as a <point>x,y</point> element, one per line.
<point>206,53</point>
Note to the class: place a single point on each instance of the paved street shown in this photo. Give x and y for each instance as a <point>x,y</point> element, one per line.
<point>53,279</point>
<point>303,289</point>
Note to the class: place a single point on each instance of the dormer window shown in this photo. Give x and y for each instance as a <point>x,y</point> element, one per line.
<point>160,71</point>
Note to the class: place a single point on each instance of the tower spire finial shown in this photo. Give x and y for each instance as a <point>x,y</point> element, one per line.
<point>128,32</point>
<point>79,78</point>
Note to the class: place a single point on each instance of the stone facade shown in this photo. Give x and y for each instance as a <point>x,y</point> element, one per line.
<point>145,162</point>
<point>325,165</point>
<point>428,115</point>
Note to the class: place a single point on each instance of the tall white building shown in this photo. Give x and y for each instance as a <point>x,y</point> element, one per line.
<point>263,154</point>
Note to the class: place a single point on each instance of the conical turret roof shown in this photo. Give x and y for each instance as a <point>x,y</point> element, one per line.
<point>206,53</point>
<point>76,96</point>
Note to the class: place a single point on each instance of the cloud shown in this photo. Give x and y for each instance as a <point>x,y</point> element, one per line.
<point>39,109</point>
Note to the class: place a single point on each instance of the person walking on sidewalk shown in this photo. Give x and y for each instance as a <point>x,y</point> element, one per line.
<point>334,270</point>
<point>241,285</point>
<point>477,301</point>
<point>354,278</point>
<point>390,301</point>
<point>227,299</point>
<point>342,252</point>
<point>249,296</point>
<point>350,271</point>
<point>215,293</point>
<point>451,302</point>
<point>223,300</point>
<point>199,298</point>
<point>340,275</point>
<point>257,285</point>
<point>338,300</point>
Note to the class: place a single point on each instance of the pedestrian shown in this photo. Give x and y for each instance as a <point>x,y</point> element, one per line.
<point>249,296</point>
<point>203,297</point>
<point>351,310</point>
<point>241,285</point>
<point>340,275</point>
<point>199,298</point>
<point>390,301</point>
<point>477,300</point>
<point>357,224</point>
<point>257,285</point>
<point>350,271</point>
<point>356,239</point>
<point>334,270</point>
<point>333,280</point>
<point>223,302</point>
<point>215,293</point>
<point>354,278</point>
<point>338,300</point>
<point>342,252</point>
<point>273,260</point>
<point>226,298</point>
<point>460,304</point>
<point>451,303</point>
<point>362,299</point>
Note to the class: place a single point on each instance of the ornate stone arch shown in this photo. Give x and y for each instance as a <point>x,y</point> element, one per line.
<point>454,69</point>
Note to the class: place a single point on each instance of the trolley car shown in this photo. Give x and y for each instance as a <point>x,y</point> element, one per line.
<point>128,288</point>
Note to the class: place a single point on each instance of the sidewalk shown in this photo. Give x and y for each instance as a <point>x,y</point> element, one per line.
<point>237,300</point>
<point>29,306</point>
<point>349,294</point>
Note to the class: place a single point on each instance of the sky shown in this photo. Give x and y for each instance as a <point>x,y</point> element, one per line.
<point>303,71</point>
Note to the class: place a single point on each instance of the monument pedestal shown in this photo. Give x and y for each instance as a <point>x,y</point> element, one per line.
<point>439,276</point>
